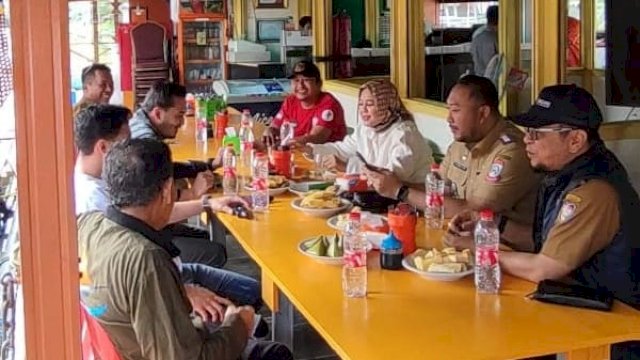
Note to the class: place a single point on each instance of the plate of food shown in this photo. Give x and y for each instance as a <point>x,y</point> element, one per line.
<point>441,265</point>
<point>278,185</point>
<point>369,222</point>
<point>325,249</point>
<point>321,203</point>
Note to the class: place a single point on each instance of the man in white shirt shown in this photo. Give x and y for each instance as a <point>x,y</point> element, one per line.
<point>484,43</point>
<point>97,128</point>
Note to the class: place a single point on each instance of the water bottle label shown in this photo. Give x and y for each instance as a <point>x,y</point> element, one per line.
<point>201,124</point>
<point>260,184</point>
<point>228,171</point>
<point>435,199</point>
<point>355,258</point>
<point>246,146</point>
<point>486,256</point>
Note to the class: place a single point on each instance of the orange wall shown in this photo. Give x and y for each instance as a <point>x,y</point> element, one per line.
<point>158,10</point>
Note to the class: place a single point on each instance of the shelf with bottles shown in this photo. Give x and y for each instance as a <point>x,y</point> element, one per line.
<point>203,73</point>
<point>201,7</point>
<point>203,54</point>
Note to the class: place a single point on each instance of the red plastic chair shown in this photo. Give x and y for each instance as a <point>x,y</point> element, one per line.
<point>96,344</point>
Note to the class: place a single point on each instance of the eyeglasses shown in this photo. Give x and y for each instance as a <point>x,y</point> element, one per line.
<point>534,133</point>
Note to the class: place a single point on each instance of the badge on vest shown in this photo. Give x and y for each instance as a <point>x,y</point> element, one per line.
<point>459,166</point>
<point>567,212</point>
<point>505,139</point>
<point>496,169</point>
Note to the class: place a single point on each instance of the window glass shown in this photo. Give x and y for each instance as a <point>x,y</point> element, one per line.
<point>573,34</point>
<point>92,38</point>
<point>449,30</point>
<point>600,23</point>
<point>361,45</point>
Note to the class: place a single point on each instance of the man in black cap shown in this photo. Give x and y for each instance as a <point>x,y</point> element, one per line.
<point>316,115</point>
<point>586,227</point>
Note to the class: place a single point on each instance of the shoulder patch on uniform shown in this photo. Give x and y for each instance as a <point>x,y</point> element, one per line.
<point>567,212</point>
<point>493,176</point>
<point>506,139</point>
<point>327,115</point>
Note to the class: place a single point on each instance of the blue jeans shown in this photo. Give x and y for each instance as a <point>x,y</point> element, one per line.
<point>240,289</point>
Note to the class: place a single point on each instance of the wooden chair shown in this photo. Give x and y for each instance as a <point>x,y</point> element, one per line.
<point>150,61</point>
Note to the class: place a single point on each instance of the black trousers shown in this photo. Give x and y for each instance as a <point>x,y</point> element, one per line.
<point>196,246</point>
<point>266,350</point>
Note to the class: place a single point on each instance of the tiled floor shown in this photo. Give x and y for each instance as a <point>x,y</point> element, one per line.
<point>308,344</point>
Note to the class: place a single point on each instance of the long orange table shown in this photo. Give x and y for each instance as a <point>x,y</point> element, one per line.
<point>407,317</point>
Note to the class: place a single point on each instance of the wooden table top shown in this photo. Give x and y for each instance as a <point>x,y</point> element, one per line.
<point>407,317</point>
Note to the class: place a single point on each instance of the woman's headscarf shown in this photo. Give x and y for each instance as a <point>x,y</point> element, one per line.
<point>388,101</point>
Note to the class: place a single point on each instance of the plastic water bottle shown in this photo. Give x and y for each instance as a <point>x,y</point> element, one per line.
<point>487,241</point>
<point>354,270</point>
<point>434,211</point>
<point>229,177</point>
<point>246,138</point>
<point>201,128</point>
<point>260,184</point>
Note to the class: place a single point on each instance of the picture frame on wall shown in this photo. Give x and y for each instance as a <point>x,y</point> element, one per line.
<point>269,30</point>
<point>138,14</point>
<point>271,4</point>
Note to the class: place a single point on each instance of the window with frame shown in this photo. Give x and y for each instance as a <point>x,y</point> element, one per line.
<point>361,39</point>
<point>92,37</point>
<point>449,31</point>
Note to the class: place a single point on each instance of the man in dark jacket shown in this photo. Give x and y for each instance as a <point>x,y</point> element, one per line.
<point>586,227</point>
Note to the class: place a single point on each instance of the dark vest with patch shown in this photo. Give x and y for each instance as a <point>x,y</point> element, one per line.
<point>616,268</point>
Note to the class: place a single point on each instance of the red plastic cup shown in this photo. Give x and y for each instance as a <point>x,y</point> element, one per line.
<point>402,222</point>
<point>222,121</point>
<point>281,160</point>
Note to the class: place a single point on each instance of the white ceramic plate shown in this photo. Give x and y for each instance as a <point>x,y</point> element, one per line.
<point>304,245</point>
<point>297,193</point>
<point>320,212</point>
<point>375,238</point>
<point>272,191</point>
<point>407,263</point>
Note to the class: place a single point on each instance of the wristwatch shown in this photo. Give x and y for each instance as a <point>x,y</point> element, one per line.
<point>403,193</point>
<point>205,202</point>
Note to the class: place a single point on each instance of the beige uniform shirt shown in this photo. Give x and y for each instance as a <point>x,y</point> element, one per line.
<point>138,297</point>
<point>494,173</point>
<point>587,222</point>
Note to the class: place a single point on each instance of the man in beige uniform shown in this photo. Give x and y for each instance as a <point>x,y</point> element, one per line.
<point>97,87</point>
<point>486,166</point>
<point>137,293</point>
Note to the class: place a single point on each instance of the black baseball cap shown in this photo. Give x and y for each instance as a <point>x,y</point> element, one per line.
<point>562,104</point>
<point>306,69</point>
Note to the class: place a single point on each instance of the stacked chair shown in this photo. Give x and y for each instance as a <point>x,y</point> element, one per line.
<point>150,61</point>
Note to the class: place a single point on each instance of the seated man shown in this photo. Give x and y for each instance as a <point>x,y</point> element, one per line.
<point>160,116</point>
<point>137,295</point>
<point>96,129</point>
<point>486,165</point>
<point>586,226</point>
<point>317,116</point>
<point>97,86</point>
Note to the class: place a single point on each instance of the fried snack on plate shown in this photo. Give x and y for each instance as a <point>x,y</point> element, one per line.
<point>447,260</point>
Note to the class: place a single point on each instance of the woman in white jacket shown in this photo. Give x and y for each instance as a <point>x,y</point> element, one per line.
<point>386,136</point>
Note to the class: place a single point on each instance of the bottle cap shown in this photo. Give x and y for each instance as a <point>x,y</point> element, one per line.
<point>390,242</point>
<point>486,214</point>
<point>435,166</point>
<point>354,215</point>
